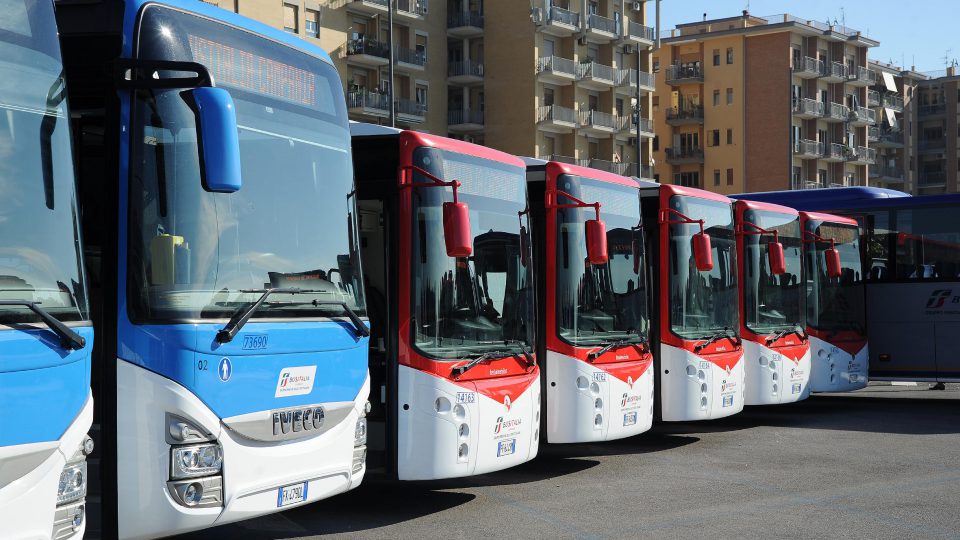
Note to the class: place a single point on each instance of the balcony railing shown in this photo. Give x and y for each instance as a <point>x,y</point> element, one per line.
<point>888,136</point>
<point>602,24</point>
<point>806,147</point>
<point>932,144</point>
<point>598,72</point>
<point>561,159</point>
<point>886,172</point>
<point>807,106</point>
<point>558,66</point>
<point>367,46</point>
<point>836,111</point>
<point>808,66</point>
<point>615,167</point>
<point>685,153</point>
<point>863,115</point>
<point>893,102</point>
<point>409,56</point>
<point>866,155</point>
<point>412,7</point>
<point>464,117</point>
<point>376,4</point>
<point>862,75</point>
<point>641,32</point>
<point>684,72</point>
<point>929,110</point>
<point>873,98</point>
<point>629,78</point>
<point>464,68</point>
<point>363,98</point>
<point>835,151</point>
<point>556,113</point>
<point>563,16</point>
<point>410,107</point>
<point>459,20</point>
<point>835,70</point>
<point>599,119</point>
<point>932,177</point>
<point>686,113</point>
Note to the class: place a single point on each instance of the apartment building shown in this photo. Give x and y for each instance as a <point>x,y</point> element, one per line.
<point>751,103</point>
<point>567,79</point>
<point>893,98</point>
<point>937,147</point>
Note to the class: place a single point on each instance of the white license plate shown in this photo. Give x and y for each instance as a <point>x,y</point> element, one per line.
<point>630,419</point>
<point>291,494</point>
<point>507,447</point>
<point>796,388</point>
<point>727,401</point>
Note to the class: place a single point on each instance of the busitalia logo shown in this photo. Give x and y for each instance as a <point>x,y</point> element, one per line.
<point>505,425</point>
<point>939,297</point>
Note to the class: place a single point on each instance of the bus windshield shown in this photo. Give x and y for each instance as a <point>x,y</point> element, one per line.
<point>702,303</point>
<point>834,304</point>
<point>194,254</point>
<point>484,302</point>
<point>39,232</point>
<point>598,303</point>
<point>771,302</point>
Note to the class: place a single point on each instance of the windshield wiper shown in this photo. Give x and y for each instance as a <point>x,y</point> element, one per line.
<point>610,345</point>
<point>725,332</point>
<point>68,338</point>
<point>795,329</point>
<point>460,370</point>
<point>354,318</point>
<point>228,332</point>
<point>527,354</point>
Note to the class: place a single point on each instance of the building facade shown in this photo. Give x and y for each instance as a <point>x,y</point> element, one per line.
<point>758,104</point>
<point>567,79</point>
<point>893,98</point>
<point>937,133</point>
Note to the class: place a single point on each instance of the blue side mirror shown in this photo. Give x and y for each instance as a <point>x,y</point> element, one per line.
<point>218,139</point>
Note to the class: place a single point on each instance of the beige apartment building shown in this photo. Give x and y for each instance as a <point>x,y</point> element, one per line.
<point>543,78</point>
<point>894,99</point>
<point>758,104</point>
<point>937,133</point>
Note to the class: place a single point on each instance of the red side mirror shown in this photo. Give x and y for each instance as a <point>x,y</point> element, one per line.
<point>702,252</point>
<point>456,229</point>
<point>833,262</point>
<point>778,264</point>
<point>596,241</point>
<point>524,245</point>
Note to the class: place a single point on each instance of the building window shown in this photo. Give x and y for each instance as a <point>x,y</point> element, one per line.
<point>716,177</point>
<point>290,18</point>
<point>715,137</point>
<point>729,136</point>
<point>716,57</point>
<point>547,97</point>
<point>656,104</point>
<point>422,96</point>
<point>729,177</point>
<point>729,55</point>
<point>687,179</point>
<point>656,143</point>
<point>716,98</point>
<point>729,96</point>
<point>311,23</point>
<point>656,64</point>
<point>422,47</point>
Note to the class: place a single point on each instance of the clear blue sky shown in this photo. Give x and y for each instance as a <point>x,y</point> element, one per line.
<point>910,32</point>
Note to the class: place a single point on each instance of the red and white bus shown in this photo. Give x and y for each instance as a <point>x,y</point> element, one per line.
<point>835,303</point>
<point>455,388</point>
<point>776,350</point>
<point>592,316</point>
<point>697,350</point>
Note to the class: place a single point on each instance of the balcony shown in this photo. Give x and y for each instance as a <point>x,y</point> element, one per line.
<point>628,127</point>
<point>594,76</point>
<point>598,124</point>
<point>932,145</point>
<point>873,98</point>
<point>886,138</point>
<point>893,102</point>
<point>556,70</point>
<point>862,155</point>
<point>808,68</point>
<point>366,103</point>
<point>807,149</point>
<point>685,116</point>
<point>368,7</point>
<point>410,111</point>
<point>639,34</point>
<point>684,155</point>
<point>835,153</point>
<point>646,172</point>
<point>409,59</point>
<point>465,73</point>
<point>411,9</point>
<point>367,52</point>
<point>807,108</point>
<point>615,167</point>
<point>464,121</point>
<point>834,72</point>
<point>678,74</point>
<point>465,25</point>
<point>886,174</point>
<point>629,79</point>
<point>560,22</point>
<point>601,29</point>
<point>863,116</point>
<point>932,178</point>
<point>556,119</point>
<point>861,76</point>
<point>835,112</point>
<point>932,110</point>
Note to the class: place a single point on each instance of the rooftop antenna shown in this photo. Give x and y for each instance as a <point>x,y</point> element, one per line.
<point>843,17</point>
<point>946,58</point>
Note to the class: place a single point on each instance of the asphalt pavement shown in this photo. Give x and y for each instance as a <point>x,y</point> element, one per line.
<point>878,463</point>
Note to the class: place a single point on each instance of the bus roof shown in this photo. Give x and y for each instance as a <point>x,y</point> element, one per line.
<point>824,199</point>
<point>766,206</point>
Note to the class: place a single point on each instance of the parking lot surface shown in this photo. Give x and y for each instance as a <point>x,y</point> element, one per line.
<point>879,463</point>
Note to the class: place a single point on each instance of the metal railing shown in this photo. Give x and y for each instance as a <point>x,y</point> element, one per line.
<point>932,144</point>
<point>835,151</point>
<point>835,69</point>
<point>385,4</point>
<point>409,56</point>
<point>679,72</point>
<point>556,113</point>
<point>368,100</point>
<point>556,64</point>
<point>893,102</point>
<point>561,159</point>
<point>684,152</point>
<point>464,117</point>
<point>936,108</point>
<point>807,147</point>
<point>686,113</point>
<point>863,114</point>
<point>458,20</point>
<point>563,16</point>
<point>368,46</point>
<point>868,155</point>
<point>597,71</point>
<point>463,68</point>
<point>837,111</point>
<point>602,24</point>
<point>889,136</point>
<point>410,107</point>
<point>808,65</point>
<point>639,31</point>
<point>631,77</point>
<point>886,171</point>
<point>932,177</point>
<point>808,106</point>
<point>413,7</point>
<point>873,98</point>
<point>862,74</point>
<point>598,119</point>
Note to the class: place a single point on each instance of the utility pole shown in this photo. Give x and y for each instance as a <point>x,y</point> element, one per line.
<point>390,92</point>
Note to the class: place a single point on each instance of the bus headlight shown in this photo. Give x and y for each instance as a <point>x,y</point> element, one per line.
<point>195,460</point>
<point>360,434</point>
<point>73,483</point>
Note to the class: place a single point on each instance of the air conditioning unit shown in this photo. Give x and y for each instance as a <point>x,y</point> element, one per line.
<point>628,49</point>
<point>637,6</point>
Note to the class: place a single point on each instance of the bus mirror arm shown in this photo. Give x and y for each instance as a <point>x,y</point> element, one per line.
<point>831,254</point>
<point>595,229</point>
<point>702,248</point>
<point>778,264</point>
<point>456,215</point>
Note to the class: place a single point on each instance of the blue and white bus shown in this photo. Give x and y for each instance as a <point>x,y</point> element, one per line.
<point>910,250</point>
<point>46,337</point>
<point>216,193</point>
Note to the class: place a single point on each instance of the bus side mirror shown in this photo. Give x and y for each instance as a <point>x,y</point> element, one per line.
<point>702,252</point>
<point>456,229</point>
<point>596,241</point>
<point>778,265</point>
<point>218,141</point>
<point>832,256</point>
<point>524,246</point>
